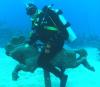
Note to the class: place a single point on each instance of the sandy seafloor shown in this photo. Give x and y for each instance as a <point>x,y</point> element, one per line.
<point>78,77</point>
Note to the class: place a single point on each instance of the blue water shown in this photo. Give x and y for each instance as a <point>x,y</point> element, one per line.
<point>82,14</point>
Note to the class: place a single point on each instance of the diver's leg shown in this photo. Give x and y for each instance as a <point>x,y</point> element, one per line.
<point>57,73</point>
<point>50,68</point>
<point>44,62</point>
<point>47,78</point>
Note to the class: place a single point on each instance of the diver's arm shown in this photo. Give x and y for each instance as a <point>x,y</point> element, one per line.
<point>33,38</point>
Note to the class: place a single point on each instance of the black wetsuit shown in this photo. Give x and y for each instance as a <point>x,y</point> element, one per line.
<point>54,38</point>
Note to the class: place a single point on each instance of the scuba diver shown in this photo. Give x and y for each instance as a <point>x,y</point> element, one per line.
<point>48,27</point>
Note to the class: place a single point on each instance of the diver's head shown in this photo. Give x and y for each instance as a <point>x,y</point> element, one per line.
<point>31,9</point>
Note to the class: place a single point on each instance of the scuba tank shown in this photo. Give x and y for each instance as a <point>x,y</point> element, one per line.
<point>72,35</point>
<point>48,10</point>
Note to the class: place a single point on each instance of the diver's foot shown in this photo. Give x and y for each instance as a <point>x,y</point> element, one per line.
<point>63,81</point>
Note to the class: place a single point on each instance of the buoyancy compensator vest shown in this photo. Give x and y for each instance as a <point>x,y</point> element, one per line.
<point>54,20</point>
<point>51,21</point>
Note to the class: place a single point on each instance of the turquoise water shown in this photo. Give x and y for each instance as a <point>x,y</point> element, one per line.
<point>84,16</point>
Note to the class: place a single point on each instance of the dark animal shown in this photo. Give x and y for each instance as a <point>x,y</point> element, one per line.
<point>28,56</point>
